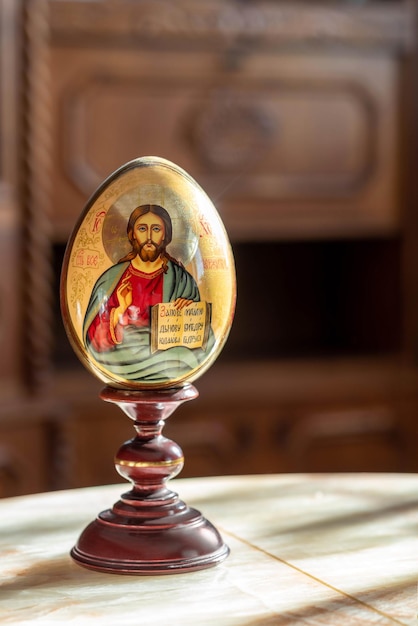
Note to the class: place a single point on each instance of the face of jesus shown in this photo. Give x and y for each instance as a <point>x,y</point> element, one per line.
<point>149,233</point>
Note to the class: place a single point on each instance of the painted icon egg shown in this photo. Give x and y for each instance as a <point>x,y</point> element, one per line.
<point>148,280</point>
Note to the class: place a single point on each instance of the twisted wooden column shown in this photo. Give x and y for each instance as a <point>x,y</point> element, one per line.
<point>37,268</point>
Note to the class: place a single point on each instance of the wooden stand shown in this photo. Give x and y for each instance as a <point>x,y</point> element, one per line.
<point>149,530</point>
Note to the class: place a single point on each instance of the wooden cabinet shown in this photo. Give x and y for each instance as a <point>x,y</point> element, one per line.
<point>299,120</point>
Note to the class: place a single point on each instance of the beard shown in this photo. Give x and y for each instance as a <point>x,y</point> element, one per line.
<point>151,254</point>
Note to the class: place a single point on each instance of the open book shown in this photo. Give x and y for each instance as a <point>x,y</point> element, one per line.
<point>188,327</point>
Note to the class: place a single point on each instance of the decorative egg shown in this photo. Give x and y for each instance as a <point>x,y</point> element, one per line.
<point>148,280</point>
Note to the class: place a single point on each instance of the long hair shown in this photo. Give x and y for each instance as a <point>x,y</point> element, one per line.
<point>141,210</point>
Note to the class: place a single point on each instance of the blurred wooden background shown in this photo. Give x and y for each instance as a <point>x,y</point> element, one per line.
<point>300,122</point>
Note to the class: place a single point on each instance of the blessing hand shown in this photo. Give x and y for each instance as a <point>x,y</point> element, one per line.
<point>124,296</point>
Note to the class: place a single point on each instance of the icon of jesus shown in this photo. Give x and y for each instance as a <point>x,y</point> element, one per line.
<point>117,324</point>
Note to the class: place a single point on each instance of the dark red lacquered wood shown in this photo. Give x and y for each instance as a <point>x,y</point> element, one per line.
<point>149,530</point>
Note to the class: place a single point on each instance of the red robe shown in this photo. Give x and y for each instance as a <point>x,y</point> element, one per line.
<point>147,290</point>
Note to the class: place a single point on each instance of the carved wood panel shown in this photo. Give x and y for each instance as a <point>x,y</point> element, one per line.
<point>303,138</point>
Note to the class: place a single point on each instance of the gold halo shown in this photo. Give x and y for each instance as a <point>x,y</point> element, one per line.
<point>114,236</point>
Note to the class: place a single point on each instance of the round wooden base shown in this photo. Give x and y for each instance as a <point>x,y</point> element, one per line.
<point>181,541</point>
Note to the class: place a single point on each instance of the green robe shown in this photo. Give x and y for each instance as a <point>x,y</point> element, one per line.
<point>132,359</point>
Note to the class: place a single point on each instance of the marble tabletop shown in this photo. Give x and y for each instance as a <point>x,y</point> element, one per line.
<point>305,549</point>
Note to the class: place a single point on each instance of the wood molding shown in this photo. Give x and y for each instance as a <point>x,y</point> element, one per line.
<point>228,22</point>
